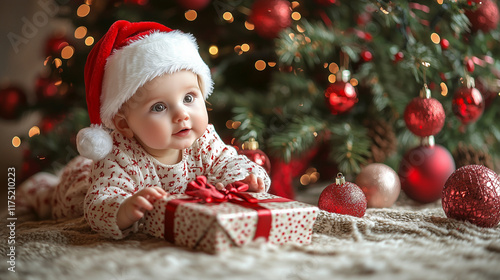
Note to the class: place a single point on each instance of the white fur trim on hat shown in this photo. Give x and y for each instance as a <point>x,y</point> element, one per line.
<point>94,142</point>
<point>130,67</point>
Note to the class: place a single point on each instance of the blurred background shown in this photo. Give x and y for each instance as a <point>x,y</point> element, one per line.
<point>322,86</point>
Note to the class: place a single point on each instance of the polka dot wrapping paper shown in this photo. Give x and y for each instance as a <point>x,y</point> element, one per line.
<point>217,227</point>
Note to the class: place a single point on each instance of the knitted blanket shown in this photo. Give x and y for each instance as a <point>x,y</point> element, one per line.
<point>402,242</point>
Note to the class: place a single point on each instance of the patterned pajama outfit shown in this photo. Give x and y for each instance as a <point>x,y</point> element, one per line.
<point>96,190</point>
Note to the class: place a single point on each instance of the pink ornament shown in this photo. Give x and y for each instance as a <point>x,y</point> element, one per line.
<point>380,184</point>
<point>472,193</point>
<point>423,172</point>
<point>343,198</point>
<point>424,116</point>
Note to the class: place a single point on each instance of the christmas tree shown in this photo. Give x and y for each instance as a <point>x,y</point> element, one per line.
<point>323,85</point>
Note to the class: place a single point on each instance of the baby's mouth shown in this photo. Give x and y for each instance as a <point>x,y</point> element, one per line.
<point>183,132</point>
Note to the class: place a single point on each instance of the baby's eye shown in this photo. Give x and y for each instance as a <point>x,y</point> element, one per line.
<point>188,98</point>
<point>158,107</point>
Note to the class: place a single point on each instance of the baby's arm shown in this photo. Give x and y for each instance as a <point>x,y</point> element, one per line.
<point>133,208</point>
<point>226,166</point>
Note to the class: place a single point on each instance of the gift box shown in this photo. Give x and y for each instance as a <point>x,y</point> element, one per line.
<point>215,220</point>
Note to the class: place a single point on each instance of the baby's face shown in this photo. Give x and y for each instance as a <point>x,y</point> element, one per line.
<point>168,112</point>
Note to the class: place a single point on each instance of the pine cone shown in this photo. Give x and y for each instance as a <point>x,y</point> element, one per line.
<point>384,139</point>
<point>467,155</point>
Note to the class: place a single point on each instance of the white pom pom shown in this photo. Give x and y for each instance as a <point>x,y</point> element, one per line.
<point>94,142</point>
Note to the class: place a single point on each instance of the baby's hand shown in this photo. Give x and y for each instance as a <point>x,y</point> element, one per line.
<point>133,208</point>
<point>255,184</point>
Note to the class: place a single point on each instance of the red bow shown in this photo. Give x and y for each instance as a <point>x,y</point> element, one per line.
<point>200,189</point>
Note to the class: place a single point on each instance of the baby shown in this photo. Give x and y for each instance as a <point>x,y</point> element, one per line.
<point>146,87</point>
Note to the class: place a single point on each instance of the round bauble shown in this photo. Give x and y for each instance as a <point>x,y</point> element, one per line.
<point>467,104</point>
<point>423,172</point>
<point>270,17</point>
<point>485,17</point>
<point>472,193</point>
<point>343,198</point>
<point>340,97</point>
<point>251,150</point>
<point>12,101</point>
<point>380,184</point>
<point>424,116</point>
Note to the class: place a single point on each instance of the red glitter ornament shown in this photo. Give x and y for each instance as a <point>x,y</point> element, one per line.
<point>343,198</point>
<point>270,17</point>
<point>12,100</point>
<point>424,116</point>
<point>341,96</point>
<point>251,150</point>
<point>472,193</point>
<point>467,104</point>
<point>423,172</point>
<point>485,17</point>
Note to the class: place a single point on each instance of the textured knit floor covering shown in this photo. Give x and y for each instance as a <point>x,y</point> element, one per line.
<point>401,242</point>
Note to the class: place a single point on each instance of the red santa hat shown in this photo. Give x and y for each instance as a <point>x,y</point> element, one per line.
<point>129,55</point>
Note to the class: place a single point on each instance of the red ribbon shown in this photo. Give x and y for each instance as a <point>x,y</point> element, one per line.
<point>202,192</point>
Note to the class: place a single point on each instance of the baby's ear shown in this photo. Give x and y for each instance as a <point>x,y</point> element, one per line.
<point>121,124</point>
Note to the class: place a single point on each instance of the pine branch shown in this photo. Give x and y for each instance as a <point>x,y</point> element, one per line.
<point>295,137</point>
<point>350,146</point>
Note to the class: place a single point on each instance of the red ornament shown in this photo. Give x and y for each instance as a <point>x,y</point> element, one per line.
<point>48,123</point>
<point>270,17</point>
<point>12,101</point>
<point>343,198</point>
<point>136,2</point>
<point>398,56</point>
<point>193,4</point>
<point>251,150</point>
<point>467,104</point>
<point>367,56</point>
<point>485,17</point>
<point>445,44</point>
<point>469,65</point>
<point>55,44</point>
<point>423,172</point>
<point>472,193</point>
<point>325,2</point>
<point>424,116</point>
<point>340,97</point>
